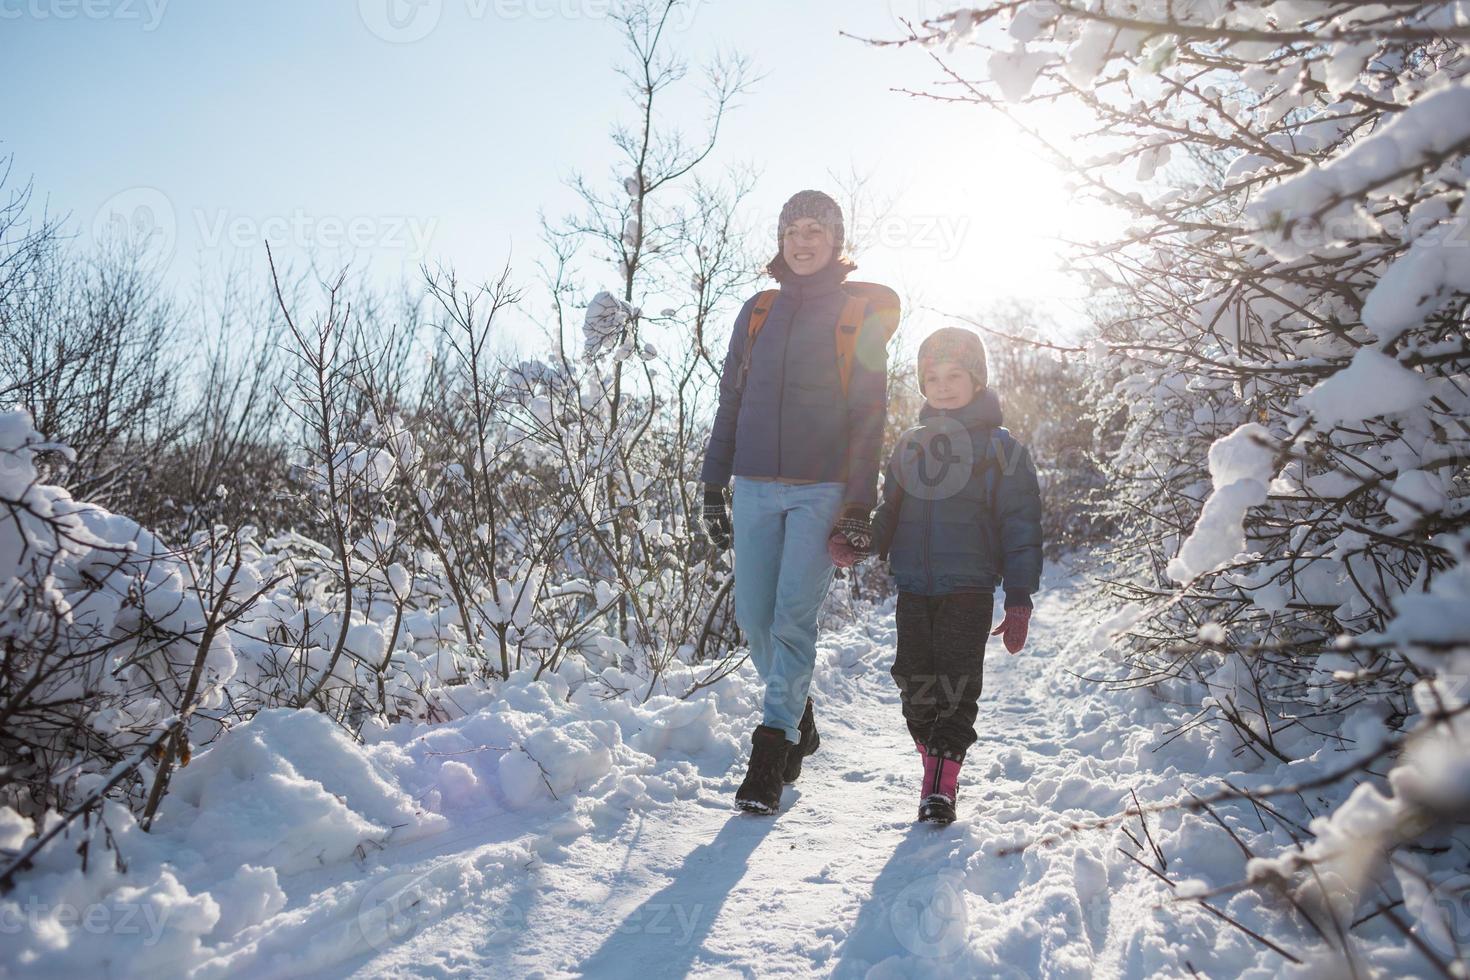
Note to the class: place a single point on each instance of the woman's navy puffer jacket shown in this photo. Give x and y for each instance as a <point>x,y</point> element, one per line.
<point>791,420</point>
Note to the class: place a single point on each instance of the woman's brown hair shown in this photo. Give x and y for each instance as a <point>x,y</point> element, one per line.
<point>778,270</point>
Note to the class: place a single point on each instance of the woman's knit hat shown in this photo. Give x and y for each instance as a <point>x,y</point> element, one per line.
<point>817,206</point>
<point>957,344</point>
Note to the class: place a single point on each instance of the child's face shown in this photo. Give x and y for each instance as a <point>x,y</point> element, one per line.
<point>947,385</point>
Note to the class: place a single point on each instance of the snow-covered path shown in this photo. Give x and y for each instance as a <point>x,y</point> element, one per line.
<point>552,830</point>
<point>841,880</point>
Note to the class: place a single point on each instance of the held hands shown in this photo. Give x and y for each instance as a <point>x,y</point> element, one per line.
<point>717,528</point>
<point>852,537</point>
<point>1013,627</point>
<point>843,554</point>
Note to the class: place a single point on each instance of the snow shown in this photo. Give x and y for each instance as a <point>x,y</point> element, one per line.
<point>1211,632</point>
<point>1436,772</point>
<point>1219,533</point>
<point>1426,129</point>
<point>606,321</point>
<point>1245,454</point>
<point>372,465</point>
<point>1151,159</point>
<point>551,834</point>
<point>1315,292</point>
<point>1241,468</point>
<point>1016,71</point>
<point>1440,615</point>
<point>1087,56</point>
<point>290,790</point>
<point>575,819</point>
<point>1435,266</point>
<point>1372,384</point>
<point>1416,494</point>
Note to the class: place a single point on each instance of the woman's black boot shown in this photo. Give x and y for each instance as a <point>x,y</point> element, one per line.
<point>761,791</point>
<point>808,744</point>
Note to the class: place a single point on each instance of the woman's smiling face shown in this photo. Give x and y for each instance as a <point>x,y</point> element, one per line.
<point>806,246</point>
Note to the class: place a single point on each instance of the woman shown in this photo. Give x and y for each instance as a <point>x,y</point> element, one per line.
<point>802,447</point>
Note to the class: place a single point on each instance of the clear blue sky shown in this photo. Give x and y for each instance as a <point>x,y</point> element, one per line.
<point>439,134</point>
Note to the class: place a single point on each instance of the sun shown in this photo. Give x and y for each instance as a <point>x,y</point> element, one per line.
<point>984,217</point>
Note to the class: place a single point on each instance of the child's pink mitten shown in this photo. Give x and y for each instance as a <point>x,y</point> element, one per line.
<point>1014,627</point>
<point>841,551</point>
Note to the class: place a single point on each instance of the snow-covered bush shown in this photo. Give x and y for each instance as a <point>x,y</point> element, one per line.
<point>288,799</point>
<point>115,649</point>
<point>1281,366</point>
<point>121,656</point>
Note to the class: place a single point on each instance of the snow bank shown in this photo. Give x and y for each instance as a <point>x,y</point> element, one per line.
<point>289,794</point>
<point>289,790</point>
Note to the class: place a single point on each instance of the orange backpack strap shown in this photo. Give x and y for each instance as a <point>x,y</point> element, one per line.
<point>763,302</point>
<point>876,308</point>
<point>758,313</point>
<point>849,323</point>
<point>866,302</point>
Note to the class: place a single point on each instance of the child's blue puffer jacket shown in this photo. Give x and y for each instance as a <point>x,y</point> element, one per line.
<point>959,517</point>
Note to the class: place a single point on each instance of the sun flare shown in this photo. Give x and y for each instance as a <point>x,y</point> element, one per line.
<point>989,221</point>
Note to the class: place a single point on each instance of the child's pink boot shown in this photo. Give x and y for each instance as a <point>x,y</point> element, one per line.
<point>931,769</point>
<point>941,786</point>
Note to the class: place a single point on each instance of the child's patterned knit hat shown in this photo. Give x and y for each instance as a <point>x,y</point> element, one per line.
<point>957,344</point>
<point>817,206</point>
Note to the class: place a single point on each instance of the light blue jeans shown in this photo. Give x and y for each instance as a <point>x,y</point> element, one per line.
<point>782,573</point>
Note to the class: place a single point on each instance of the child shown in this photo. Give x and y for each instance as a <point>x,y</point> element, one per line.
<point>961,513</point>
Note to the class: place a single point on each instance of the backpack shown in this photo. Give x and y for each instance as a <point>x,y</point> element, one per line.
<point>866,302</point>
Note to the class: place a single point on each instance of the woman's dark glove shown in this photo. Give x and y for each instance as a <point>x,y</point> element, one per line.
<point>717,517</point>
<point>855,526</point>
